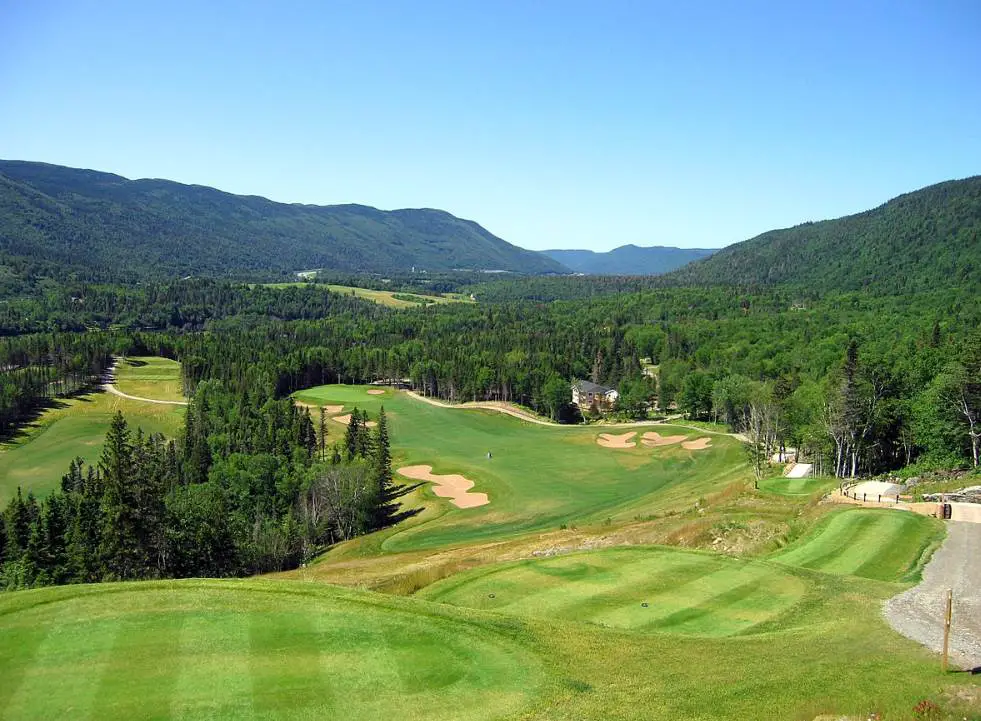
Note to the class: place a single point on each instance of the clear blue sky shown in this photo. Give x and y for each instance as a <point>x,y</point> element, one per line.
<point>553,124</point>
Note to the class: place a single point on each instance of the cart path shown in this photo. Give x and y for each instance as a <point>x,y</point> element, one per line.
<point>512,410</point>
<point>108,384</point>
<point>918,612</point>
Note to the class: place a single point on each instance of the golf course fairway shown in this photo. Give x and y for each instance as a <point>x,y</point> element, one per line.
<point>38,456</point>
<point>643,589</point>
<point>249,649</point>
<point>539,477</point>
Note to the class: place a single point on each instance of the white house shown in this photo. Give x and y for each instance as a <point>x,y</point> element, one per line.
<point>584,394</point>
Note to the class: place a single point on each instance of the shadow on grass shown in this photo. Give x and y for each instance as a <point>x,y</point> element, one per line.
<point>21,427</point>
<point>135,363</point>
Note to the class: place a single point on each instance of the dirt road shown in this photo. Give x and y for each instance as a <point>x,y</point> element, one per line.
<point>918,612</point>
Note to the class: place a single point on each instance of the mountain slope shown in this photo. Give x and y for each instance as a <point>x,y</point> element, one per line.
<point>930,237</point>
<point>104,225</point>
<point>628,259</point>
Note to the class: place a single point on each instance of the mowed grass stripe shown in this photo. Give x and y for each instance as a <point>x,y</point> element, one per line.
<point>214,680</point>
<point>881,544</point>
<point>141,668</point>
<point>685,592</point>
<point>284,664</point>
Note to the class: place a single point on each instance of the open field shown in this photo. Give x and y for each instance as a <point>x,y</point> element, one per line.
<point>150,377</point>
<point>37,458</point>
<point>540,477</point>
<point>384,297</point>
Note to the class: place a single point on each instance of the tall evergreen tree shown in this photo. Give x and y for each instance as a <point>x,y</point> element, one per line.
<point>119,548</point>
<point>386,504</point>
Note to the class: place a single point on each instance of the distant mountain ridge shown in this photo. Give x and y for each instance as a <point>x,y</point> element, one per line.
<point>917,241</point>
<point>629,259</point>
<point>103,225</point>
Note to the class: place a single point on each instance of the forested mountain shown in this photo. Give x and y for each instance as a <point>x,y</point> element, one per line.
<point>103,226</point>
<point>628,259</point>
<point>918,241</point>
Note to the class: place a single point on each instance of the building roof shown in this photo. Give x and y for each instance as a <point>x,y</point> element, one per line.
<point>589,387</point>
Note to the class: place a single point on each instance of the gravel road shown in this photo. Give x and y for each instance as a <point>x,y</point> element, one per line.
<point>918,612</point>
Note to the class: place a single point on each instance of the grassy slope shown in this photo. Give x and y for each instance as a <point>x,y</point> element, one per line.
<point>39,456</point>
<point>540,477</point>
<point>228,649</point>
<point>150,377</point>
<point>883,544</point>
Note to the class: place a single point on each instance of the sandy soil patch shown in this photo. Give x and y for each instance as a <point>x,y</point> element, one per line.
<point>329,410</point>
<point>452,486</point>
<point>699,444</point>
<point>346,420</point>
<point>654,439</point>
<point>376,392</point>
<point>610,440</point>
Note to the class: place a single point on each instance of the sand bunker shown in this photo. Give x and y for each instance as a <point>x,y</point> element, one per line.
<point>624,440</point>
<point>453,486</point>
<point>376,392</point>
<point>346,420</point>
<point>699,444</point>
<point>329,410</point>
<point>654,439</point>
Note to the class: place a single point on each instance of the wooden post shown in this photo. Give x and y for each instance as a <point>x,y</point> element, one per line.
<point>947,618</point>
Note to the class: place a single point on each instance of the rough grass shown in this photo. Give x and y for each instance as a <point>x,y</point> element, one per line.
<point>884,544</point>
<point>39,455</point>
<point>150,377</point>
<point>540,477</point>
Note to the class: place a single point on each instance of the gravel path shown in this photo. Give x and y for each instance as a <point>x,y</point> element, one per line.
<point>918,612</point>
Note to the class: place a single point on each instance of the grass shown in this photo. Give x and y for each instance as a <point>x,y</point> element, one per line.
<point>784,486</point>
<point>258,650</point>
<point>39,455</point>
<point>384,297</point>
<point>883,544</point>
<point>642,589</point>
<point>540,477</point>
<point>150,377</point>
<point>291,650</point>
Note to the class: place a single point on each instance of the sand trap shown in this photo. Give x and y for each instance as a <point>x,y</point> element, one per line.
<point>654,439</point>
<point>624,440</point>
<point>699,444</point>
<point>376,392</point>
<point>453,486</point>
<point>329,410</point>
<point>346,420</point>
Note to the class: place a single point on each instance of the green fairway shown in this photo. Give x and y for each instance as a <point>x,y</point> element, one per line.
<point>540,477</point>
<point>150,377</point>
<point>258,650</point>
<point>645,589</point>
<point>797,486</point>
<point>884,544</point>
<point>39,455</point>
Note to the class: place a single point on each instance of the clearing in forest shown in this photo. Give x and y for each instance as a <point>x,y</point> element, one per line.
<point>539,476</point>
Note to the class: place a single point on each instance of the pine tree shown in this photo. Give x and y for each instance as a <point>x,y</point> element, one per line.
<point>351,436</point>
<point>386,506</point>
<point>323,434</point>
<point>119,543</point>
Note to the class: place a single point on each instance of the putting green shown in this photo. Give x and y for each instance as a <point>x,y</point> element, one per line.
<point>259,650</point>
<point>883,544</point>
<point>539,477</point>
<point>150,377</point>
<point>684,591</point>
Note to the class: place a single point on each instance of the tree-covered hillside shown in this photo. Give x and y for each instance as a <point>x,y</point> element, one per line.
<point>628,259</point>
<point>918,241</point>
<point>99,225</point>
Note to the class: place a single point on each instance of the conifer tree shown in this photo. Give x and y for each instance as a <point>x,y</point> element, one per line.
<point>119,543</point>
<point>386,505</point>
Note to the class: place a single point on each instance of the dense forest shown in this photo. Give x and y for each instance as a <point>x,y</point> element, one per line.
<point>876,369</point>
<point>101,227</point>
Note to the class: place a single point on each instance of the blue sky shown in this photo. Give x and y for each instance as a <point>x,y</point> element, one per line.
<point>553,124</point>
